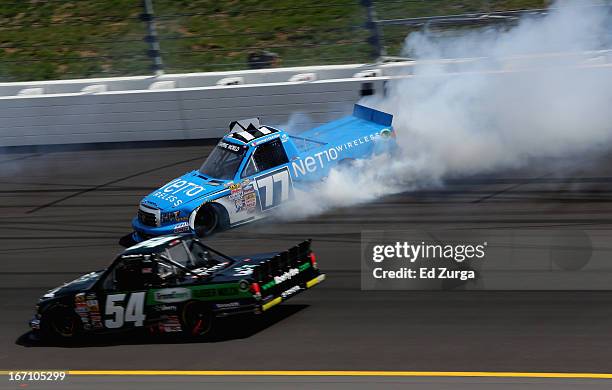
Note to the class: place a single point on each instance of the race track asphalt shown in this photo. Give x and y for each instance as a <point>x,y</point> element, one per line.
<point>62,212</point>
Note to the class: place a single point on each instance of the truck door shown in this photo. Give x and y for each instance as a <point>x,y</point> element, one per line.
<point>268,169</point>
<point>122,295</point>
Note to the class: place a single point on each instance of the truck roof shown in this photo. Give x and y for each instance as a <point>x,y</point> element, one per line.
<point>155,245</point>
<point>251,134</point>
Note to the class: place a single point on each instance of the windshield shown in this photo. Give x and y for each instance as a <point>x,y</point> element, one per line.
<point>179,254</point>
<point>194,256</point>
<point>223,162</point>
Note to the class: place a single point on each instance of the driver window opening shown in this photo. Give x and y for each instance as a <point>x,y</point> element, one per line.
<point>266,156</point>
<point>132,274</point>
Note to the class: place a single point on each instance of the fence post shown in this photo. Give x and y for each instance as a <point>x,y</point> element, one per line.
<point>375,39</point>
<point>154,53</point>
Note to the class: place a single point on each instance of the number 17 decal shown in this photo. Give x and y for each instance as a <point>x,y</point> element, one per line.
<point>274,188</point>
<point>133,311</point>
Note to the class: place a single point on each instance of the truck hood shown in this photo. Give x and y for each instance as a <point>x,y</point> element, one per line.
<point>82,283</point>
<point>183,189</point>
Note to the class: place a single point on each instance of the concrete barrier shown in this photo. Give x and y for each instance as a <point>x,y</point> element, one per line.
<point>171,113</point>
<point>201,105</point>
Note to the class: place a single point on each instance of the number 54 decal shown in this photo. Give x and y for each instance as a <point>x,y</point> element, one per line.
<point>133,311</point>
<point>274,188</point>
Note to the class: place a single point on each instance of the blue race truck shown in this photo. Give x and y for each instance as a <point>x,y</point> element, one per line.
<point>254,169</point>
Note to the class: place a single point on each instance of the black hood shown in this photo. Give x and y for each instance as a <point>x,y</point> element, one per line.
<point>82,283</point>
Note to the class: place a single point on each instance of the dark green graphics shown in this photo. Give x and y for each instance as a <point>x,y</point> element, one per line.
<point>212,292</point>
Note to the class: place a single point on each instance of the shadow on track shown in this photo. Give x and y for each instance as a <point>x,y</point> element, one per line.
<point>225,329</point>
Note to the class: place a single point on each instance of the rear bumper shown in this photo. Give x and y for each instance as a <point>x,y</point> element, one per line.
<point>273,301</point>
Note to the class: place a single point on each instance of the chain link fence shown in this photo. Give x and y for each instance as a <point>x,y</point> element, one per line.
<point>61,39</point>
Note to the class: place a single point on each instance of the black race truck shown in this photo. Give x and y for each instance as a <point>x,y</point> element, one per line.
<point>174,284</point>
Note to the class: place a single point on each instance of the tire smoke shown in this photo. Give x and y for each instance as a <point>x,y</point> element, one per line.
<point>541,89</point>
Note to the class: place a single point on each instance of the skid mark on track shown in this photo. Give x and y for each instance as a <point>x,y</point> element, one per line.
<point>22,158</point>
<point>94,188</point>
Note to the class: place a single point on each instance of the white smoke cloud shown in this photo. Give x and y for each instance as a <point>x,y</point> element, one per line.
<point>509,106</point>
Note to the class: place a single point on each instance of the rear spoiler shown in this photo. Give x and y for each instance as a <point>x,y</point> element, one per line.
<point>372,115</point>
<point>283,261</point>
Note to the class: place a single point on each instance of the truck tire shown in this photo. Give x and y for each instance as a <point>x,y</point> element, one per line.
<point>60,323</point>
<point>210,217</point>
<point>196,319</point>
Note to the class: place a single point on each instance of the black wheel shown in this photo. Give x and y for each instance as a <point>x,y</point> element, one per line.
<point>197,319</point>
<point>209,218</point>
<point>60,323</point>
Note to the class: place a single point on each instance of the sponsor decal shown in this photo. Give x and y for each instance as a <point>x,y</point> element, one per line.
<point>250,202</point>
<point>310,164</point>
<point>92,305</point>
<point>286,276</point>
<point>209,270</point>
<point>86,306</point>
<point>164,308</point>
<point>228,146</point>
<point>181,227</point>
<point>210,292</point>
<point>172,295</point>
<point>267,138</point>
<point>229,305</point>
<point>149,203</point>
<point>244,270</point>
<point>173,216</point>
<point>170,324</point>
<point>94,311</point>
<point>171,191</point>
<point>169,198</point>
<point>291,291</point>
<point>243,195</point>
<point>236,195</point>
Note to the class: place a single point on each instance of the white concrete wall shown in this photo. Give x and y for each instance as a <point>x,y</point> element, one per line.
<point>190,106</point>
<point>170,114</point>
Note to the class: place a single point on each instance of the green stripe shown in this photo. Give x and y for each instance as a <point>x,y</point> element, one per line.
<point>207,292</point>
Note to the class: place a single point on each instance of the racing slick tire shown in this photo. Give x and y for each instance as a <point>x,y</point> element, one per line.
<point>60,323</point>
<point>196,319</point>
<point>209,218</point>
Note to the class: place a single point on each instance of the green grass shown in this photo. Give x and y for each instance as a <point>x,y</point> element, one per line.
<point>58,39</point>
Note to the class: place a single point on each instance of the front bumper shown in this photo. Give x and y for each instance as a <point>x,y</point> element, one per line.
<point>144,232</point>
